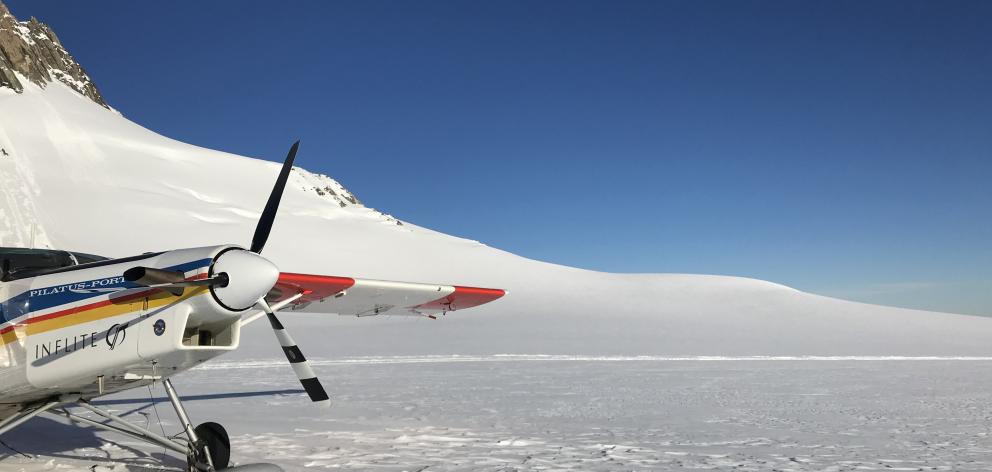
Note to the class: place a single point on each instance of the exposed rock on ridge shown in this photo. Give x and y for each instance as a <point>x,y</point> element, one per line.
<point>30,49</point>
<point>331,189</point>
<point>30,52</point>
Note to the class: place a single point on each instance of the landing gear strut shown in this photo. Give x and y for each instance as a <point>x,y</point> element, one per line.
<point>210,448</point>
<point>207,447</point>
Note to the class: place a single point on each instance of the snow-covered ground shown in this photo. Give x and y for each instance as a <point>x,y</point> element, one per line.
<point>492,414</point>
<point>84,178</point>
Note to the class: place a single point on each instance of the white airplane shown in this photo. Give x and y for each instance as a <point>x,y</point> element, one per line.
<point>74,327</point>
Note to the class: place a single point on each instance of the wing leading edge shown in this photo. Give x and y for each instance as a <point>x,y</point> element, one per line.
<point>364,297</point>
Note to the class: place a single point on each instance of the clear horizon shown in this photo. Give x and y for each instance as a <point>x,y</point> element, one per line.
<point>843,149</point>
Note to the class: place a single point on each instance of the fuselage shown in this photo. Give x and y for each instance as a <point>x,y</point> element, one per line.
<point>87,330</point>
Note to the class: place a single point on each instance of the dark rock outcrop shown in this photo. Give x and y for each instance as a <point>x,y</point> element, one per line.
<point>31,49</point>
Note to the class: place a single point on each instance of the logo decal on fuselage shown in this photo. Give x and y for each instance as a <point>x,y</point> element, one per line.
<point>51,350</point>
<point>87,285</point>
<point>159,327</point>
<point>63,346</point>
<point>116,335</point>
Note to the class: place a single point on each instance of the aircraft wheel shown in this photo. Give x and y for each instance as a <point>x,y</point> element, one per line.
<point>215,438</point>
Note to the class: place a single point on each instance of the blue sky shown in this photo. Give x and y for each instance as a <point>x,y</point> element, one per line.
<point>843,148</point>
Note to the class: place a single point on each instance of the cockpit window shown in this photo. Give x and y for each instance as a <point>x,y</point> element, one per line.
<point>16,262</point>
<point>83,258</point>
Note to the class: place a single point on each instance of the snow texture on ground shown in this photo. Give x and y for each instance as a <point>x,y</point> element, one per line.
<point>529,413</point>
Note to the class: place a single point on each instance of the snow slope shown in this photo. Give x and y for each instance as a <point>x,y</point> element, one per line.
<point>84,178</point>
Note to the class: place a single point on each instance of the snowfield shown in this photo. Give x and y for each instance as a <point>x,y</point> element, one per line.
<point>450,414</point>
<point>573,370</point>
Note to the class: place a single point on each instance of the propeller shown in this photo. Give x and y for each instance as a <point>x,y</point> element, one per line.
<point>251,272</point>
<point>268,217</point>
<point>300,364</point>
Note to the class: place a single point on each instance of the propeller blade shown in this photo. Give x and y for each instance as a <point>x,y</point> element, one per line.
<point>272,206</point>
<point>296,359</point>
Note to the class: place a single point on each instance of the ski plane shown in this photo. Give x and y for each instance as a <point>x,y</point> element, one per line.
<point>74,327</point>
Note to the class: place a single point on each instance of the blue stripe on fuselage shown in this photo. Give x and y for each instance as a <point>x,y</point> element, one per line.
<point>62,294</point>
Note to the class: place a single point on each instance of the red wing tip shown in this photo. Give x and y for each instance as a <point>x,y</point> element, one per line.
<point>491,292</point>
<point>462,298</point>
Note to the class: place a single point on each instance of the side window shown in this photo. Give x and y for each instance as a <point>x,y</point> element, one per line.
<point>27,260</point>
<point>39,260</point>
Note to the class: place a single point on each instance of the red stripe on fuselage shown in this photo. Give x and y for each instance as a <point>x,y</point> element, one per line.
<point>82,308</point>
<point>77,309</point>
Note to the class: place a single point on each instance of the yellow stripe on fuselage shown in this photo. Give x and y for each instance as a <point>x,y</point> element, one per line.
<point>11,336</point>
<point>85,315</point>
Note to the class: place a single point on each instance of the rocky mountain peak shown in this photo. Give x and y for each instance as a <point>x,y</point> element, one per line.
<point>30,50</point>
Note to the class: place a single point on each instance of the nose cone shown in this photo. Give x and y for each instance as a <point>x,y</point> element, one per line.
<point>250,277</point>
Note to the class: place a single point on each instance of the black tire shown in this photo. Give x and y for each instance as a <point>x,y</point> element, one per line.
<point>214,436</point>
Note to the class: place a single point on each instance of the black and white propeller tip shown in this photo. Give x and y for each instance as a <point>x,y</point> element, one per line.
<point>299,362</point>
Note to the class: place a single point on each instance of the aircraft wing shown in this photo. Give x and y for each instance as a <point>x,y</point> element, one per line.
<point>364,297</point>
